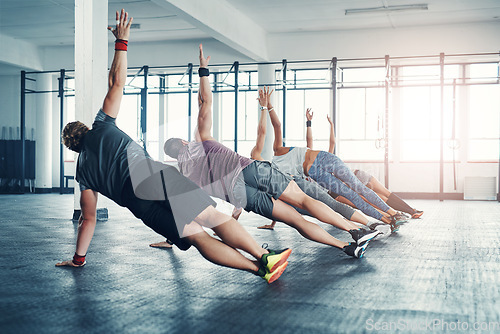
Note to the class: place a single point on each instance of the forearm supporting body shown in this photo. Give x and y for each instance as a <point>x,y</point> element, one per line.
<point>85,233</point>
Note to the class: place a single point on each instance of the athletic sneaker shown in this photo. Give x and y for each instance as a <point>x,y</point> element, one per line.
<point>272,276</point>
<point>355,250</point>
<point>417,214</point>
<point>394,227</point>
<point>383,228</point>
<point>361,236</point>
<point>404,214</point>
<point>396,222</point>
<point>274,259</point>
<point>400,218</point>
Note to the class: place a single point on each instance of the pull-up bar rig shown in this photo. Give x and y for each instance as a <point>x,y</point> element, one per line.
<point>334,84</point>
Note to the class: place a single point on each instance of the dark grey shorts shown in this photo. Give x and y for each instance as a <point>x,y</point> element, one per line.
<point>257,184</point>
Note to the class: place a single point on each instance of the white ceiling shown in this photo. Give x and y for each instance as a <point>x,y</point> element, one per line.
<point>285,16</point>
<point>51,22</point>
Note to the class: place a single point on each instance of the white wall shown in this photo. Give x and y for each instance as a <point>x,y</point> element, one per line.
<point>463,38</point>
<point>151,54</point>
<point>10,95</point>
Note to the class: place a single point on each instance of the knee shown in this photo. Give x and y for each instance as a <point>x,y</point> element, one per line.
<point>210,217</point>
<point>197,238</point>
<point>295,190</point>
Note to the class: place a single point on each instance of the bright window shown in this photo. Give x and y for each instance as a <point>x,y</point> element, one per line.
<point>360,123</point>
<point>484,123</point>
<point>420,114</point>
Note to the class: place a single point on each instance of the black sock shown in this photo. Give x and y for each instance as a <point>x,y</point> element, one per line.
<point>395,202</point>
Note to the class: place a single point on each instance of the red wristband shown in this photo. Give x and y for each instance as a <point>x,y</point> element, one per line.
<point>78,259</point>
<point>121,45</point>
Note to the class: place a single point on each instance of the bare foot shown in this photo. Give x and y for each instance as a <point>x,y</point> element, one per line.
<point>162,244</point>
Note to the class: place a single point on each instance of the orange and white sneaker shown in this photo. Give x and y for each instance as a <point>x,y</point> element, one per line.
<point>273,276</point>
<point>417,214</point>
<point>274,259</point>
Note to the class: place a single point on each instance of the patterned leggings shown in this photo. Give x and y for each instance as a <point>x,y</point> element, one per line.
<point>331,173</point>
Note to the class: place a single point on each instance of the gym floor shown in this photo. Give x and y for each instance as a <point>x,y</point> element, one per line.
<point>440,273</point>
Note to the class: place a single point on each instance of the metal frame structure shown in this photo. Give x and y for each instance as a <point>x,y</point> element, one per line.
<point>285,84</point>
<point>61,94</point>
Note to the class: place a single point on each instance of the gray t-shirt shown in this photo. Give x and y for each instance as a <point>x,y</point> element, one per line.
<point>292,162</point>
<point>102,164</point>
<point>100,117</point>
<point>213,167</point>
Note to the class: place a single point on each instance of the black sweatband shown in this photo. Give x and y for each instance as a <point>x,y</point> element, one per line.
<point>308,124</point>
<point>203,72</point>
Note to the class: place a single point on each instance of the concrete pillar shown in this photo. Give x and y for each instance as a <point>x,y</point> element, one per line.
<point>91,64</point>
<point>43,134</point>
<point>267,77</point>
<point>216,110</point>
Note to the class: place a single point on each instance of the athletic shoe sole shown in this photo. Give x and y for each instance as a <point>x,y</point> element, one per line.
<point>360,250</point>
<point>417,215</point>
<point>277,273</point>
<point>275,263</point>
<point>394,227</point>
<point>384,229</point>
<point>368,237</point>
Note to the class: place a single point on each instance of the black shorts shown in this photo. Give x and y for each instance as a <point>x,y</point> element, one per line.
<point>186,197</point>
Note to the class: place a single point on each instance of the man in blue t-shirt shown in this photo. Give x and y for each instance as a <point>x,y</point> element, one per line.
<point>112,164</point>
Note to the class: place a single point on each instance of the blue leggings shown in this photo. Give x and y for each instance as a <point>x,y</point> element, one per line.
<point>345,183</point>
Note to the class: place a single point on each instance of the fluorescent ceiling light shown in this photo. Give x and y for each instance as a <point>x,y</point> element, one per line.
<point>385,9</point>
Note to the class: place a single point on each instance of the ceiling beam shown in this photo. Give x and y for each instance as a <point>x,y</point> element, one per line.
<point>20,53</point>
<point>223,22</point>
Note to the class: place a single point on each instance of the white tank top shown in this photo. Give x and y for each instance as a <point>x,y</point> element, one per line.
<point>291,162</point>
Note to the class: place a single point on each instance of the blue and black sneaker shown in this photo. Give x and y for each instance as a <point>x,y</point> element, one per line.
<point>355,250</point>
<point>361,236</point>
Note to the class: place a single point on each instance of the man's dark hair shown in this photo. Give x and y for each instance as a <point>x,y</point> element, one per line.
<point>73,134</point>
<point>172,147</point>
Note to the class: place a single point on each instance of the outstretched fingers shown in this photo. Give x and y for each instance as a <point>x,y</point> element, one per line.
<point>203,61</point>
<point>262,97</point>
<point>309,114</point>
<point>122,28</point>
<point>269,92</point>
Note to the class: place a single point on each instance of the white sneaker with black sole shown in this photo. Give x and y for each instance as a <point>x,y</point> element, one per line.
<point>383,228</point>
<point>361,236</point>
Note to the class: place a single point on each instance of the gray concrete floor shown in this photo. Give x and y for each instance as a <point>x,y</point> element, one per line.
<point>441,272</point>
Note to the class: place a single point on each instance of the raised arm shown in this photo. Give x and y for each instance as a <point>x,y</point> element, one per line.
<point>278,137</point>
<point>86,227</point>
<point>204,101</point>
<point>264,96</point>
<point>309,135</point>
<point>331,148</point>
<point>118,71</point>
